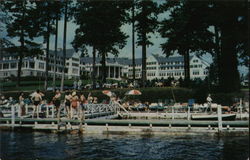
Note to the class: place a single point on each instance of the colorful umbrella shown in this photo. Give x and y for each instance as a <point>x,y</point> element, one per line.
<point>108,93</point>
<point>133,92</point>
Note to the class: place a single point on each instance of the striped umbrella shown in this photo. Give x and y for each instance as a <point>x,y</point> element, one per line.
<point>133,92</point>
<point>108,93</point>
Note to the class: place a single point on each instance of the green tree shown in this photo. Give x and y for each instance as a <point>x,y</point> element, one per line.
<point>58,14</point>
<point>48,12</point>
<point>145,23</point>
<point>98,30</point>
<point>24,26</point>
<point>66,15</point>
<point>186,31</point>
<point>231,31</point>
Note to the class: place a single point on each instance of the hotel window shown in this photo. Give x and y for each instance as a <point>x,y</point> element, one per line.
<point>32,65</point>
<point>1,66</point>
<point>5,73</point>
<point>41,65</point>
<point>6,66</point>
<point>75,71</point>
<point>196,73</point>
<point>13,65</point>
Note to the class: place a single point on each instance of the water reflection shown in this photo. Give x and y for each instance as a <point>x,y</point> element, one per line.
<point>25,145</point>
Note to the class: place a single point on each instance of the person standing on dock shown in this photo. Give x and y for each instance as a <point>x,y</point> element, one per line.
<point>209,101</point>
<point>21,104</point>
<point>57,101</point>
<point>74,104</point>
<point>83,103</point>
<point>36,98</point>
<point>67,102</point>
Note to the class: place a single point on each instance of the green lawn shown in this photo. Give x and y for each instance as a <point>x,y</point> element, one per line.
<point>33,85</point>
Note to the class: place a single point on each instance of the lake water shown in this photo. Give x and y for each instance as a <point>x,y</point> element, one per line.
<point>37,145</point>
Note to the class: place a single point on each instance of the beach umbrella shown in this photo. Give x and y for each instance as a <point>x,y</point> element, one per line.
<point>133,92</point>
<point>108,93</point>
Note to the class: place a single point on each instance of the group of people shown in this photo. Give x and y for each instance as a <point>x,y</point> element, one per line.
<point>71,102</point>
<point>75,104</point>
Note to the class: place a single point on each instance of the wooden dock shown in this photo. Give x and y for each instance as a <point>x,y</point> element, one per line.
<point>171,125</point>
<point>151,127</point>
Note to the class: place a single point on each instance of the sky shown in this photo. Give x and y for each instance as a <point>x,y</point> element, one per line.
<point>125,52</point>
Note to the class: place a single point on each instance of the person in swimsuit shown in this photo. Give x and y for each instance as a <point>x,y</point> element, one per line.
<point>21,104</point>
<point>67,102</point>
<point>83,102</point>
<point>36,98</point>
<point>74,104</point>
<point>56,101</point>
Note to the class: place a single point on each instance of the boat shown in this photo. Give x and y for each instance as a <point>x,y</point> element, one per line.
<point>227,117</point>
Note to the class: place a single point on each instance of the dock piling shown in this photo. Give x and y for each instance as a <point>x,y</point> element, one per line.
<point>188,113</point>
<point>26,109</point>
<point>172,112</point>
<point>12,115</point>
<point>219,118</point>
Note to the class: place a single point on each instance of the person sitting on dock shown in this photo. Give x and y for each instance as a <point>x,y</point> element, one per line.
<point>74,104</point>
<point>57,101</point>
<point>36,98</point>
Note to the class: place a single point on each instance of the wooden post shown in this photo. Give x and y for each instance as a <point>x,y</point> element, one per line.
<point>240,109</point>
<point>12,115</point>
<point>19,110</point>
<point>53,111</point>
<point>188,113</point>
<point>59,118</point>
<point>26,109</point>
<point>150,125</point>
<point>219,118</point>
<point>47,111</point>
<point>172,112</point>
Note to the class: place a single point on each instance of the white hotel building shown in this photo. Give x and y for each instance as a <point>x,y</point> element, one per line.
<point>35,65</point>
<point>116,68</point>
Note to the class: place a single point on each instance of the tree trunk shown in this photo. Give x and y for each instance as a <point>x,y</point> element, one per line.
<point>186,67</point>
<point>230,81</point>
<point>217,58</point>
<point>47,56</point>
<point>144,51</point>
<point>133,41</point>
<point>64,44</point>
<point>21,54</point>
<point>55,55</point>
<point>94,68</point>
<point>103,68</point>
<point>20,61</point>
<point>144,58</point>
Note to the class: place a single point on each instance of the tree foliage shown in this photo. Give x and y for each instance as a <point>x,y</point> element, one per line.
<point>24,26</point>
<point>99,27</point>
<point>145,24</point>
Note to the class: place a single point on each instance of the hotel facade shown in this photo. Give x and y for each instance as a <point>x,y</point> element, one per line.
<point>116,68</point>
